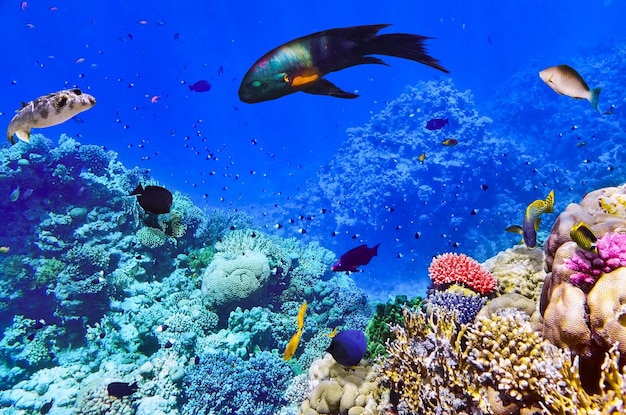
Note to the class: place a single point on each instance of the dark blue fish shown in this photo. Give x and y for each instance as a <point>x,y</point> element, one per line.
<point>436,123</point>
<point>361,255</point>
<point>348,347</point>
<point>200,86</point>
<point>121,389</point>
<point>154,199</point>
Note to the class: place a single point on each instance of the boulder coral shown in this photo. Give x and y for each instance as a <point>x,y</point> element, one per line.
<point>344,391</point>
<point>581,300</point>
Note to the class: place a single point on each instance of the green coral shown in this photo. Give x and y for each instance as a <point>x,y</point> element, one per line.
<point>389,314</point>
<point>201,258</point>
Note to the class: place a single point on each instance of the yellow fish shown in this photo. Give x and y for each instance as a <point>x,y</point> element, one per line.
<point>422,157</point>
<point>532,218</point>
<point>583,235</point>
<point>333,333</point>
<point>450,142</point>
<point>564,80</point>
<point>290,350</point>
<point>4,249</point>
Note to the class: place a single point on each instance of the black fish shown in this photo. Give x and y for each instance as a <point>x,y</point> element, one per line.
<point>361,255</point>
<point>301,64</point>
<point>200,86</point>
<point>45,408</point>
<point>154,199</point>
<point>121,389</point>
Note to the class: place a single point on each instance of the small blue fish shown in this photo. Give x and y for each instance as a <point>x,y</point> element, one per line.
<point>436,123</point>
<point>348,347</point>
<point>200,86</point>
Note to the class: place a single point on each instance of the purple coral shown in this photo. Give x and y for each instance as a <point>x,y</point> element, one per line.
<point>611,254</point>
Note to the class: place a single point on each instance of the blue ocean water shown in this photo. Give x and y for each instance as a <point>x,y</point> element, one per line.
<point>334,171</point>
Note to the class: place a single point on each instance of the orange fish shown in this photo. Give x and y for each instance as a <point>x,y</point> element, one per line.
<point>450,142</point>
<point>155,99</point>
<point>290,350</point>
<point>24,5</point>
<point>422,157</point>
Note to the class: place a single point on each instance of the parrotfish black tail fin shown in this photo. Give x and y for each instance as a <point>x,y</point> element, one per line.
<point>405,46</point>
<point>375,249</point>
<point>595,97</point>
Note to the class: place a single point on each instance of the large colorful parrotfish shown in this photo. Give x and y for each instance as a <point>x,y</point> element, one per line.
<point>300,65</point>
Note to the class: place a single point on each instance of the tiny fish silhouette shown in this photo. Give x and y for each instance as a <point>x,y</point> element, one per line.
<point>436,123</point>
<point>200,86</point>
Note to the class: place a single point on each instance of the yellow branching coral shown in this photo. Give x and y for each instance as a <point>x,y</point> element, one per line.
<point>423,366</point>
<point>508,355</point>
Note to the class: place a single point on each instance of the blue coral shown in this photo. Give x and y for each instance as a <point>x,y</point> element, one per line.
<point>464,302</point>
<point>225,384</point>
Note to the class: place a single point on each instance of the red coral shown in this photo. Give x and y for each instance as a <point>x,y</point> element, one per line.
<point>451,268</point>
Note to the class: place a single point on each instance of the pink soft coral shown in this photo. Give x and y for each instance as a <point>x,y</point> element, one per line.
<point>459,268</point>
<point>589,266</point>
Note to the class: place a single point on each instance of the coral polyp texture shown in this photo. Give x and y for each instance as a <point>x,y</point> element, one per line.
<point>451,268</point>
<point>582,300</point>
<point>496,365</point>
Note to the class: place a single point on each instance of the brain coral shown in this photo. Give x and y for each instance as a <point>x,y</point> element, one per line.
<point>451,268</point>
<point>234,277</point>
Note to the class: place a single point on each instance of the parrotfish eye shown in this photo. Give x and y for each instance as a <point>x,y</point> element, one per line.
<point>286,79</point>
<point>256,84</point>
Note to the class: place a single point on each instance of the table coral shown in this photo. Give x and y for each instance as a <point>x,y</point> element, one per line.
<point>451,268</point>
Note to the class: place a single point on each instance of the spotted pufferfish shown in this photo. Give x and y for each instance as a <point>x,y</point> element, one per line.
<point>48,110</point>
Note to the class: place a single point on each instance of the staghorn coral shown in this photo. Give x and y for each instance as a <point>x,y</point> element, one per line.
<point>451,268</point>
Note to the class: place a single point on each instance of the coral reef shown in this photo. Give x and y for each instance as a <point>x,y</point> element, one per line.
<point>566,300</point>
<point>225,384</point>
<point>451,268</point>
<point>340,390</point>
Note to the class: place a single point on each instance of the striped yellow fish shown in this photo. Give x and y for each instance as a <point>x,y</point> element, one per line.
<point>583,235</point>
<point>532,218</point>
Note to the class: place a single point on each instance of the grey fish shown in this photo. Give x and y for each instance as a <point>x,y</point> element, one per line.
<point>564,80</point>
<point>48,110</point>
